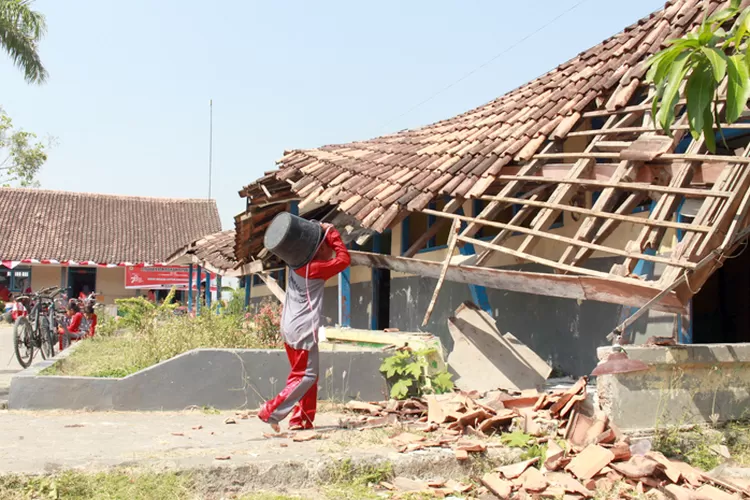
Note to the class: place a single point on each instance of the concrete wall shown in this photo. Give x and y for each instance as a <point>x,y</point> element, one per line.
<point>564,332</point>
<point>45,276</point>
<point>220,378</point>
<point>683,385</point>
<point>110,283</point>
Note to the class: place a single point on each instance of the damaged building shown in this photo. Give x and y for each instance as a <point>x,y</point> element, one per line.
<point>558,208</point>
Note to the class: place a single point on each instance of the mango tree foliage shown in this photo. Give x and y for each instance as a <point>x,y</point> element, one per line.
<point>702,60</point>
<point>21,155</point>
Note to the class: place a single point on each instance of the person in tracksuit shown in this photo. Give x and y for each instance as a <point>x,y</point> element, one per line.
<point>300,320</point>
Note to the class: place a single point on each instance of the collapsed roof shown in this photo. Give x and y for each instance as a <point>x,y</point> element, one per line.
<point>214,252</point>
<point>584,126</point>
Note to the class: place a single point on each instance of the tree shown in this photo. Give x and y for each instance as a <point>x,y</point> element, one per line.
<point>21,29</point>
<point>720,49</point>
<point>21,155</point>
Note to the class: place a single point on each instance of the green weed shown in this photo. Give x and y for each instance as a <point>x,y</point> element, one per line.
<point>105,485</point>
<point>408,373</point>
<point>150,334</point>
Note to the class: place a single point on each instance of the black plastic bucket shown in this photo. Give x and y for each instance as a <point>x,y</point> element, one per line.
<point>293,239</point>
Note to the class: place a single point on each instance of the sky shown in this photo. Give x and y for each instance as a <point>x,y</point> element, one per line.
<point>127,100</point>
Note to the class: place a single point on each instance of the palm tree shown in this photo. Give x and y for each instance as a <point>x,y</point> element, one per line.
<point>21,28</point>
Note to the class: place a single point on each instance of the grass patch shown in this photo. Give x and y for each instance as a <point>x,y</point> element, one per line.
<point>693,446</point>
<point>346,481</point>
<point>348,440</point>
<point>262,495</point>
<point>153,334</point>
<point>737,439</point>
<point>106,485</point>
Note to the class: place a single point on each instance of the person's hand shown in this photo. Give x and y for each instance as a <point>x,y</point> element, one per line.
<point>326,226</point>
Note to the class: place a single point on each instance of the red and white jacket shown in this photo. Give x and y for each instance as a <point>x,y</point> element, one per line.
<point>303,305</point>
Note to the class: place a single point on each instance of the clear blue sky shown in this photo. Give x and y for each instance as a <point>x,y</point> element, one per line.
<point>127,99</point>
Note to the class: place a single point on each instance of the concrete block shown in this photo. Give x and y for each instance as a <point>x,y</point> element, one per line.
<point>484,359</point>
<point>686,384</point>
<point>220,378</point>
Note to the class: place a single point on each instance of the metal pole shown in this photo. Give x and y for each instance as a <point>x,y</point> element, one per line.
<point>198,291</point>
<point>218,294</point>
<point>210,142</point>
<point>190,289</point>
<point>208,290</point>
<point>248,287</point>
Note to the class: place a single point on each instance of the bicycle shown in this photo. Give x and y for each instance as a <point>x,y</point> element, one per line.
<point>36,331</point>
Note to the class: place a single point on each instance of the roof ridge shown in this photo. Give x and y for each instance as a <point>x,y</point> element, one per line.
<point>108,195</point>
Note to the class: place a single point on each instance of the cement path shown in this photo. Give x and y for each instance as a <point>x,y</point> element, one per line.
<point>48,442</point>
<point>8,362</point>
<point>35,442</point>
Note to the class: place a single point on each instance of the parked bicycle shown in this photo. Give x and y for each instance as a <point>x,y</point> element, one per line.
<point>36,331</point>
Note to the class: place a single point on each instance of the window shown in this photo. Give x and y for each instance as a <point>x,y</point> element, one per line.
<point>16,280</point>
<point>417,224</point>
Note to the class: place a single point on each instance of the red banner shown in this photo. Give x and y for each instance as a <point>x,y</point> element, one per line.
<point>162,277</point>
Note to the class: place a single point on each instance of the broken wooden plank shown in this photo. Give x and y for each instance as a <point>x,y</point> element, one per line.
<point>647,147</point>
<point>273,286</point>
<point>629,292</point>
<point>443,271</point>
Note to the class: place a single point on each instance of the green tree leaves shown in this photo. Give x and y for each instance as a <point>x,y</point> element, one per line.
<point>696,65</point>
<point>21,29</point>
<point>21,155</point>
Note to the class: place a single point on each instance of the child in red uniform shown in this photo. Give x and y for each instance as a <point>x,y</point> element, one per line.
<point>73,330</point>
<point>19,310</point>
<point>91,317</point>
<point>300,320</point>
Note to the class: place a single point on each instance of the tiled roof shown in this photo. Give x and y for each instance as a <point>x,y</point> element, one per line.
<point>215,251</point>
<point>39,224</point>
<point>377,180</point>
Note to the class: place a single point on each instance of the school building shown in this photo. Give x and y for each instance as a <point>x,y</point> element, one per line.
<point>558,208</point>
<point>94,242</point>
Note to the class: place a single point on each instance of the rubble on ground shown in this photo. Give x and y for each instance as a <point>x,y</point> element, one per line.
<point>582,454</point>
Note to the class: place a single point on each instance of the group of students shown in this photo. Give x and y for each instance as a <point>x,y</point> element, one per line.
<point>78,325</point>
<point>75,329</point>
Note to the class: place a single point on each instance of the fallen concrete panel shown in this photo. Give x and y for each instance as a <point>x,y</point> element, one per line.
<point>484,359</point>
<point>218,378</point>
<point>685,384</point>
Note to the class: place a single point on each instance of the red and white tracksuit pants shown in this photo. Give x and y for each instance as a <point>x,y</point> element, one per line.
<point>300,393</point>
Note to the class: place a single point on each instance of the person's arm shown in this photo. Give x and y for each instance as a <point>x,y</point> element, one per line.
<point>75,323</point>
<point>92,326</point>
<point>326,269</point>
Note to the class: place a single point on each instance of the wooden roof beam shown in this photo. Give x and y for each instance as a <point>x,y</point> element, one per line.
<point>632,293</point>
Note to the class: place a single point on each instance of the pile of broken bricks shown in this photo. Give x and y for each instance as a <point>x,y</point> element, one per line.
<point>584,454</point>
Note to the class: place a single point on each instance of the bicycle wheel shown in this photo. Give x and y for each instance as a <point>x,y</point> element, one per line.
<point>23,342</point>
<point>48,345</point>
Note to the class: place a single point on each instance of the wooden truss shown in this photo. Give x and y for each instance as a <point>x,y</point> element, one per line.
<point>628,162</point>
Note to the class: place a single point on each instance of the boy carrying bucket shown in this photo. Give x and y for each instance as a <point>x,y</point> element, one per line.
<point>293,239</point>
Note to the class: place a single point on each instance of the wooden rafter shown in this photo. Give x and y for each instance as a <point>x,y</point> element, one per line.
<point>518,218</point>
<point>604,215</point>
<point>628,186</point>
<point>563,192</point>
<point>512,187</point>
<point>555,237</point>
